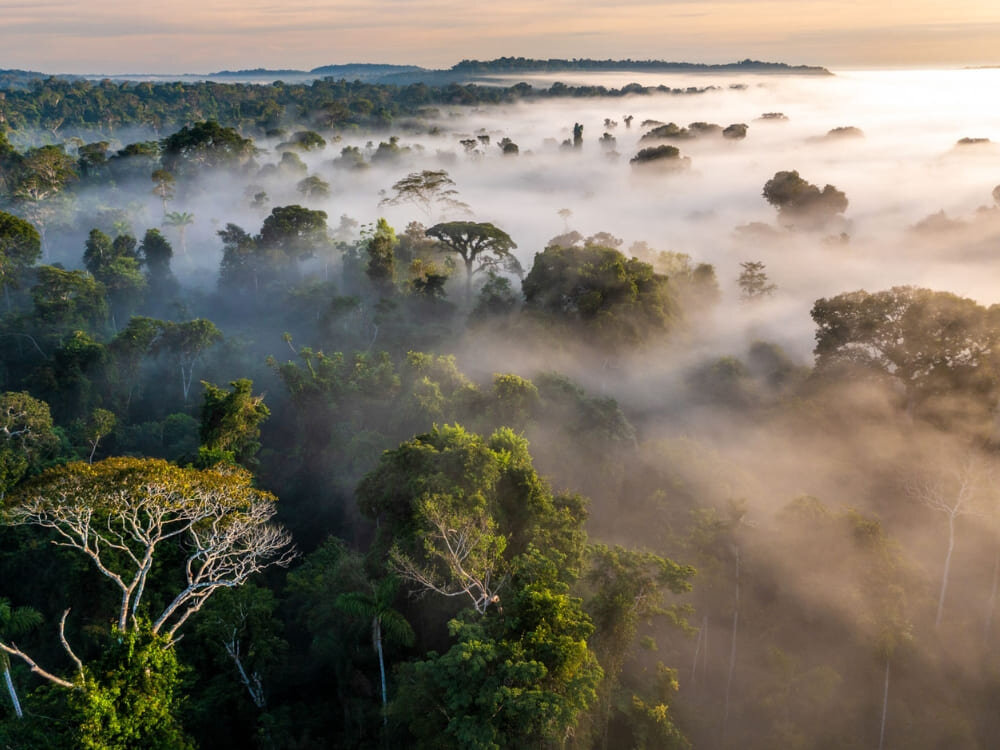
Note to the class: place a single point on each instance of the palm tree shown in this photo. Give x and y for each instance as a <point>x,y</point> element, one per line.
<point>179,220</point>
<point>387,623</point>
<point>14,623</point>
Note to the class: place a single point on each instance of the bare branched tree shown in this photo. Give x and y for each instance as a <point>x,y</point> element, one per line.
<point>463,556</point>
<point>955,492</point>
<point>121,512</point>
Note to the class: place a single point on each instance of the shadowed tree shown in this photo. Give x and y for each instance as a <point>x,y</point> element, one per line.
<point>802,202</point>
<point>186,342</point>
<point>386,623</point>
<point>20,249</point>
<point>26,437</point>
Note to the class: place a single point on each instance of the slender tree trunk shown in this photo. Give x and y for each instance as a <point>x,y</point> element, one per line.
<point>697,653</point>
<point>377,632</point>
<point>947,569</point>
<point>991,608</point>
<point>732,647</point>
<point>885,705</point>
<point>468,282</point>
<point>12,692</point>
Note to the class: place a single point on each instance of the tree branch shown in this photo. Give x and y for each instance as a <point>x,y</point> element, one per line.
<point>14,651</point>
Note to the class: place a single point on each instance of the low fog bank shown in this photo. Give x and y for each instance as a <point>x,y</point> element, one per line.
<point>819,497</point>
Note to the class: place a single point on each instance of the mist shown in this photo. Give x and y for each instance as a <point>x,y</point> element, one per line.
<point>799,491</point>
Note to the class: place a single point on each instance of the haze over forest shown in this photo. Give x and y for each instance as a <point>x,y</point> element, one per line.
<point>566,408</point>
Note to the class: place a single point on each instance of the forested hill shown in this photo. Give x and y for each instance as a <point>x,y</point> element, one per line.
<point>526,65</point>
<point>465,71</point>
<point>52,110</point>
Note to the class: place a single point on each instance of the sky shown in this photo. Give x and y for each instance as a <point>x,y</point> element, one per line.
<point>201,36</point>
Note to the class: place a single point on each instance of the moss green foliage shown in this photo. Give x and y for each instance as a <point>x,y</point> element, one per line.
<point>131,697</point>
<point>618,300</point>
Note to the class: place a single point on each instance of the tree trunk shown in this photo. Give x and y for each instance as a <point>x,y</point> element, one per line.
<point>988,625</point>
<point>732,647</point>
<point>377,633</point>
<point>13,693</point>
<point>468,282</point>
<point>885,705</point>
<point>947,569</point>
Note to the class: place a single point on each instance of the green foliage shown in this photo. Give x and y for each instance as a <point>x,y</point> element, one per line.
<point>667,158</point>
<point>619,301</point>
<point>67,300</point>
<point>802,202</point>
<point>20,248</point>
<point>515,681</point>
<point>477,242</point>
<point>381,246</point>
<point>230,422</point>
<point>26,437</point>
<point>940,348</point>
<point>203,145</point>
<point>131,696</point>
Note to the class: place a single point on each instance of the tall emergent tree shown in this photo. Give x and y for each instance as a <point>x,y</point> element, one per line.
<point>134,519</point>
<point>941,349</point>
<point>427,190</point>
<point>468,518</point>
<point>477,242</point>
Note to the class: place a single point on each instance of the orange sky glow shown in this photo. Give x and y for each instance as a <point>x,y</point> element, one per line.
<point>117,36</point>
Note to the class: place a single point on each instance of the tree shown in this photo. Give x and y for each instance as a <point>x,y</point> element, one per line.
<point>155,253</point>
<point>427,190</point>
<point>230,423</point>
<point>475,241</point>
<point>67,300</point>
<point>940,348</point>
<point>314,188</point>
<point>115,264</point>
<point>13,624</point>
<point>381,247</point>
<point>800,201</point>
<point>468,517</point>
<point>123,513</point>
<point>128,350</point>
<point>627,589</point>
<point>26,437</point>
<point>99,424</point>
<point>20,249</point>
<point>43,173</point>
<point>665,157</point>
<point>205,145</point>
<point>376,606</point>
<point>753,281</point>
<point>294,232</point>
<point>186,342</point>
<point>164,187</point>
<point>241,620</point>
<point>955,492</point>
<point>622,300</point>
<point>179,220</point>
<point>130,696</point>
